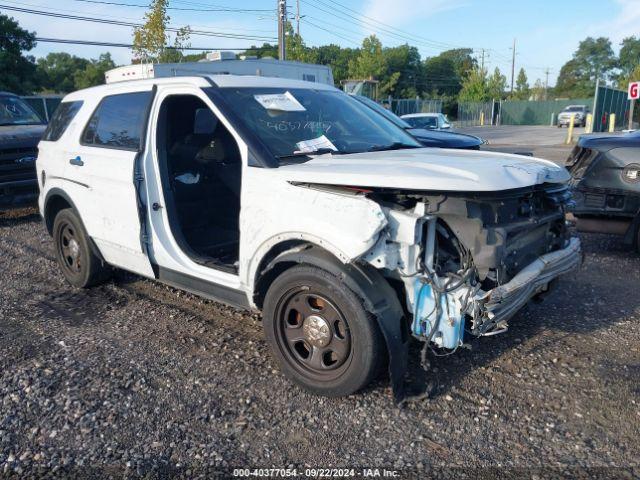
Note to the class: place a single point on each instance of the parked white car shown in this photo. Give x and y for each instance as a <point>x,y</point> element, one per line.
<point>428,121</point>
<point>294,199</point>
<point>578,112</point>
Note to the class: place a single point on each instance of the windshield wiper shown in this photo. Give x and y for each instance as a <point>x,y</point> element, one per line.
<point>320,151</point>
<point>391,146</point>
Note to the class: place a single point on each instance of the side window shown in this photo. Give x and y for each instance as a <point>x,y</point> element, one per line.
<point>62,117</point>
<point>118,121</point>
<point>309,77</point>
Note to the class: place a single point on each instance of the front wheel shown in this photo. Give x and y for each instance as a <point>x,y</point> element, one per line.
<point>80,266</point>
<point>320,332</point>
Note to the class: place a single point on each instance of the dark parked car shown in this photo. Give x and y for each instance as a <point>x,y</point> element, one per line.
<point>20,131</point>
<point>428,138</point>
<point>605,171</point>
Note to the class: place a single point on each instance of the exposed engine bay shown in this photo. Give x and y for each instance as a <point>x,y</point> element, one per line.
<point>468,262</point>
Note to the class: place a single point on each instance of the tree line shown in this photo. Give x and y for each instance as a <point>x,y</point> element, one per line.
<point>452,76</point>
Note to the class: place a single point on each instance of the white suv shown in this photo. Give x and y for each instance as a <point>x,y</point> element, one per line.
<point>293,198</point>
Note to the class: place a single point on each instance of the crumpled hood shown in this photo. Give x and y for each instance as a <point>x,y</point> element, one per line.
<point>20,136</point>
<point>427,169</point>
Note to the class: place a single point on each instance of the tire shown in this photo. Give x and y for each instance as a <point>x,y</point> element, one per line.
<point>80,266</point>
<point>320,332</point>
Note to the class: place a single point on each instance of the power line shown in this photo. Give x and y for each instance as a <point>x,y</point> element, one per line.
<point>188,9</point>
<point>133,24</point>
<point>137,19</point>
<point>128,45</point>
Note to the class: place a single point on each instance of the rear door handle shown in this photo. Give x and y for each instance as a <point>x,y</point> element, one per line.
<point>76,161</point>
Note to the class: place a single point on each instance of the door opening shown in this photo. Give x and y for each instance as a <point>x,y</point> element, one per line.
<point>201,167</point>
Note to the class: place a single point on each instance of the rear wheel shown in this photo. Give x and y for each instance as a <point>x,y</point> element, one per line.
<point>79,265</point>
<point>320,332</point>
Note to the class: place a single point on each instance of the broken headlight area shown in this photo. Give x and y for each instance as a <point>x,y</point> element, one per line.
<point>469,262</point>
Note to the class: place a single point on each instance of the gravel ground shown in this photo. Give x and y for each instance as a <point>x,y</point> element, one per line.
<point>137,379</point>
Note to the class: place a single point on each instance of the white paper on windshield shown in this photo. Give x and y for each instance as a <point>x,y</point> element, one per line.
<point>284,102</point>
<point>315,144</point>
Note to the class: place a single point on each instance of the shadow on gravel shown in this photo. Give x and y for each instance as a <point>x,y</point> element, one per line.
<point>11,218</point>
<point>582,303</point>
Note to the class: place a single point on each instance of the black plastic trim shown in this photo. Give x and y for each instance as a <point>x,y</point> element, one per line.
<point>197,286</point>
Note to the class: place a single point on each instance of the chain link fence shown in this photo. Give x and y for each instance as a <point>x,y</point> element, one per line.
<point>402,106</point>
<point>471,114</point>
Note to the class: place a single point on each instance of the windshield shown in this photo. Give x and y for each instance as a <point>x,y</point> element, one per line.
<point>14,111</point>
<point>388,114</point>
<point>303,121</point>
<point>423,122</point>
<point>574,109</point>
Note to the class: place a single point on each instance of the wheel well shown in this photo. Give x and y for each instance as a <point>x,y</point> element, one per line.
<point>267,273</point>
<point>53,206</point>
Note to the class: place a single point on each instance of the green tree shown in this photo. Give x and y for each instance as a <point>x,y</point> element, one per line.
<point>57,71</point>
<point>521,91</point>
<point>474,86</point>
<point>402,77</point>
<point>633,76</point>
<point>538,91</point>
<point>294,45</point>
<point>496,85</point>
<point>629,57</point>
<point>266,50</point>
<point>151,38</point>
<point>336,57</point>
<point>441,76</point>
<point>17,72</point>
<point>370,62</point>
<point>174,54</point>
<point>93,74</point>
<point>462,59</point>
<point>593,59</point>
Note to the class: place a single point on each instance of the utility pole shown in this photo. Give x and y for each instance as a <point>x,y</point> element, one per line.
<point>298,17</point>
<point>482,61</point>
<point>282,22</point>
<point>513,64</point>
<point>546,82</point>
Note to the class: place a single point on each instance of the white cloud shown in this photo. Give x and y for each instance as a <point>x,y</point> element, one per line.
<point>625,24</point>
<point>398,12</point>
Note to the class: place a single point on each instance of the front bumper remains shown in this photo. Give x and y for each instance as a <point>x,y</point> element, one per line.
<point>443,317</point>
<point>501,303</point>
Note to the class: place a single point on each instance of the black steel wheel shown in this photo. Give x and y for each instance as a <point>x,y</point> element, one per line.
<point>314,333</point>
<point>79,264</point>
<point>320,332</point>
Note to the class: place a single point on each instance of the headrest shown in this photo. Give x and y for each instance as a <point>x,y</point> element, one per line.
<point>205,122</point>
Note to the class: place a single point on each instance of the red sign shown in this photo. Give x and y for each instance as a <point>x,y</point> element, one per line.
<point>634,90</point>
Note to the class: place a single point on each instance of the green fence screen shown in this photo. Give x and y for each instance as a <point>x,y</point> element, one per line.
<point>523,112</point>
<point>608,101</point>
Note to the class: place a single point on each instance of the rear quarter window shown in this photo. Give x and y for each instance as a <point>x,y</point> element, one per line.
<point>62,117</point>
<point>118,121</point>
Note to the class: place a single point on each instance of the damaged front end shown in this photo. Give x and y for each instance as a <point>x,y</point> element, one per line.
<point>469,262</point>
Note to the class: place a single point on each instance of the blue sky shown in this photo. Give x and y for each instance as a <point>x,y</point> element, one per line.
<point>547,31</point>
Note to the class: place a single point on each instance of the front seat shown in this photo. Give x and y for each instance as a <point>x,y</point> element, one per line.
<point>223,156</point>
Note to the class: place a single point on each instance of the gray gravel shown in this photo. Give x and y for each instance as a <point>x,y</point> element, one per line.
<point>137,379</point>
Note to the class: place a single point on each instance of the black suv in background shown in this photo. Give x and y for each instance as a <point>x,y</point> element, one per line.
<point>20,131</point>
